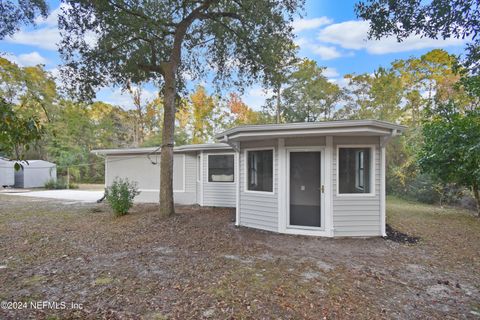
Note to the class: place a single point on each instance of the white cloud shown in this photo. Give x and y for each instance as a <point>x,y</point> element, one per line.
<point>46,35</point>
<point>45,38</point>
<point>341,82</point>
<point>31,59</point>
<point>52,18</point>
<point>330,72</point>
<point>353,35</point>
<point>118,97</point>
<point>255,97</point>
<point>326,52</point>
<point>307,24</point>
<point>300,42</point>
<point>27,59</point>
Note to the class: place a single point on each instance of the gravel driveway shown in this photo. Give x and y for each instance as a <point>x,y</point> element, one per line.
<point>75,195</point>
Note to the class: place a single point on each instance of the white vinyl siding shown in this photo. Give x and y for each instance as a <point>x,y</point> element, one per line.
<point>259,209</point>
<point>179,173</point>
<point>218,194</point>
<point>357,214</point>
<point>189,195</point>
<point>147,175</point>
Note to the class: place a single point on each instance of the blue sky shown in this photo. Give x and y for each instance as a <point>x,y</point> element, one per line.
<point>328,32</point>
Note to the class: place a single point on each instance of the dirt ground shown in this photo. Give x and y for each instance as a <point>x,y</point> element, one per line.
<point>198,265</point>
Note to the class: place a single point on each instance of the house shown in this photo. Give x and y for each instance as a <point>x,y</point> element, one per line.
<point>7,172</point>
<point>35,173</point>
<point>322,178</point>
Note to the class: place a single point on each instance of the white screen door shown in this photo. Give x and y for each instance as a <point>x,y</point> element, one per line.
<point>305,189</point>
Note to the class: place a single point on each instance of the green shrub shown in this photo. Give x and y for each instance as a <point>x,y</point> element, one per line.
<point>60,183</point>
<point>50,184</point>
<point>120,195</point>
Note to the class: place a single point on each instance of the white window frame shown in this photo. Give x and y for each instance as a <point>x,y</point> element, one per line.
<point>372,170</point>
<point>207,180</point>
<point>184,173</point>
<point>245,154</point>
<point>306,229</point>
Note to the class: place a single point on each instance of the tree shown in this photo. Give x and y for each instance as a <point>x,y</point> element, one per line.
<point>203,112</point>
<point>451,148</point>
<point>240,113</point>
<point>32,89</point>
<point>308,95</point>
<point>26,97</point>
<point>428,81</point>
<point>17,132</point>
<point>447,19</point>
<point>376,96</point>
<point>279,78</point>
<point>18,13</point>
<point>138,115</point>
<point>117,42</point>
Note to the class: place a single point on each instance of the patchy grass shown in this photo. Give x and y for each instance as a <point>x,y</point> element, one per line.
<point>452,234</point>
<point>198,265</point>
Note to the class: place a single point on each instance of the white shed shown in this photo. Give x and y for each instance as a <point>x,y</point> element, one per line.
<point>7,175</point>
<point>35,173</point>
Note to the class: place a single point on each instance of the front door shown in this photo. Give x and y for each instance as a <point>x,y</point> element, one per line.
<point>305,189</point>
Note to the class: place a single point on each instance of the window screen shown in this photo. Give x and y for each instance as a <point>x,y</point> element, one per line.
<point>260,170</point>
<point>354,170</point>
<point>220,168</point>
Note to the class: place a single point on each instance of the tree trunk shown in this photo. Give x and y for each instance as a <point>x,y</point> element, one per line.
<point>278,104</point>
<point>68,177</point>
<point>166,163</point>
<point>476,194</point>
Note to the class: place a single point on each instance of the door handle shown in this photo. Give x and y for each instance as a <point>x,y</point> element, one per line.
<point>323,188</point>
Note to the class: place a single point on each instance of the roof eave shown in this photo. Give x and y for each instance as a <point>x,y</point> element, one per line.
<point>291,127</point>
<point>365,131</point>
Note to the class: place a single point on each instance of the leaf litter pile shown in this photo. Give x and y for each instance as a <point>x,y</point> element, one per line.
<point>398,236</point>
<point>197,265</point>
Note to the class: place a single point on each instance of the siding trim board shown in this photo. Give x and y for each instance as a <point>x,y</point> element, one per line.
<point>237,192</point>
<point>382,191</point>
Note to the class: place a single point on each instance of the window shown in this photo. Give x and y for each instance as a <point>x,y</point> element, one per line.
<point>354,170</point>
<point>260,170</point>
<point>220,168</point>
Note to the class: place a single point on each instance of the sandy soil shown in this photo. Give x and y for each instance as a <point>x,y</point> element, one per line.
<point>198,265</point>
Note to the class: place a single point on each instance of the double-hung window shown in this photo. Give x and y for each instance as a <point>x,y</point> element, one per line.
<point>354,170</point>
<point>221,168</point>
<point>260,170</point>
